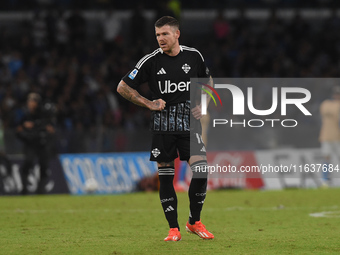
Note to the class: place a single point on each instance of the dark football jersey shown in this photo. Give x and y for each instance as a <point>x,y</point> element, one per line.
<point>169,79</point>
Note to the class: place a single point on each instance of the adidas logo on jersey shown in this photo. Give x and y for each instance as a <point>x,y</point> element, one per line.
<point>186,68</point>
<point>155,152</point>
<point>169,209</point>
<point>203,149</point>
<point>162,71</point>
<point>172,87</point>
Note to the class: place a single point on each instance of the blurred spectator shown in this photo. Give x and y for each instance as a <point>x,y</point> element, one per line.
<point>81,79</point>
<point>36,131</point>
<point>62,32</point>
<point>330,133</point>
<point>103,4</point>
<point>15,63</point>
<point>112,99</point>
<point>188,4</point>
<point>5,163</point>
<point>77,26</point>
<point>26,48</point>
<point>111,27</point>
<point>175,6</point>
<point>51,28</point>
<point>39,30</point>
<point>8,104</point>
<point>221,28</point>
<point>137,25</point>
<point>163,9</point>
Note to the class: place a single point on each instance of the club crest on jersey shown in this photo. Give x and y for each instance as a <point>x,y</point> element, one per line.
<point>155,152</point>
<point>186,68</point>
<point>133,74</point>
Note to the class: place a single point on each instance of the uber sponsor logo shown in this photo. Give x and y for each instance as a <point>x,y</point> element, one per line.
<point>172,87</point>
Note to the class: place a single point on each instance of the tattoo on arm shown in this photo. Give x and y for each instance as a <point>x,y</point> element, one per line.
<point>132,95</point>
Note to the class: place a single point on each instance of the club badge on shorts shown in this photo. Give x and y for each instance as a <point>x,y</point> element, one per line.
<point>155,152</point>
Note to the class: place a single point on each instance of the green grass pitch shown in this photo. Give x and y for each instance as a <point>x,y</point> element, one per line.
<point>243,222</point>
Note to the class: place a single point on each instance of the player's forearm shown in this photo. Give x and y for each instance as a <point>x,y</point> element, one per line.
<point>132,95</point>
<point>211,83</point>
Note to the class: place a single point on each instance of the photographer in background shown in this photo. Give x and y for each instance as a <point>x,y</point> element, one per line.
<point>36,131</point>
<point>330,134</point>
<point>5,163</point>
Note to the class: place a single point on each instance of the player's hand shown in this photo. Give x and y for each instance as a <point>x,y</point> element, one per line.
<point>197,112</point>
<point>157,105</point>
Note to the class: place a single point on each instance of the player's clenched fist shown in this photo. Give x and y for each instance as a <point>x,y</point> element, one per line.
<point>157,105</point>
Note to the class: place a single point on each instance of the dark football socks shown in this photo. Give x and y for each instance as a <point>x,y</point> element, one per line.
<point>197,190</point>
<point>167,195</point>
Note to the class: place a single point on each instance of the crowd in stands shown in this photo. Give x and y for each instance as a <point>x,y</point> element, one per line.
<point>55,58</point>
<point>150,4</point>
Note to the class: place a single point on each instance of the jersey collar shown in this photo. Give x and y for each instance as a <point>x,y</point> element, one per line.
<point>161,51</point>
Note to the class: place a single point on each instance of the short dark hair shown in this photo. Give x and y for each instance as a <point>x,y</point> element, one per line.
<point>167,20</point>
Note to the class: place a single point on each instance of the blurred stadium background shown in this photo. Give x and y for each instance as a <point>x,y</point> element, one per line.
<point>75,52</point>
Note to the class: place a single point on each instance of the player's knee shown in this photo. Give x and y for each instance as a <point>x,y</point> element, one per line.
<point>199,169</point>
<point>165,164</point>
<point>195,158</point>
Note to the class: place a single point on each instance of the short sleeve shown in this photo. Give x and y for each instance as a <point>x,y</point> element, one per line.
<point>138,75</point>
<point>203,70</point>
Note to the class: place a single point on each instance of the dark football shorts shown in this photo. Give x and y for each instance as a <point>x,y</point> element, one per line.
<point>167,147</point>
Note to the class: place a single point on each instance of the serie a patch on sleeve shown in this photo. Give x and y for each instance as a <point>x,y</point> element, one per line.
<point>133,74</point>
